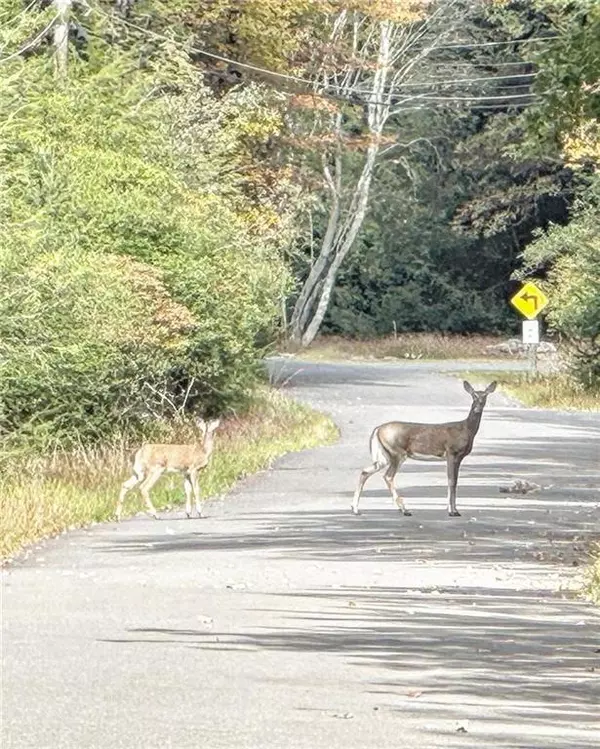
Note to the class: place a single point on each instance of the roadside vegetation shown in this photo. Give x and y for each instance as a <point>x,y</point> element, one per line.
<point>592,588</point>
<point>41,496</point>
<point>405,346</point>
<point>554,391</point>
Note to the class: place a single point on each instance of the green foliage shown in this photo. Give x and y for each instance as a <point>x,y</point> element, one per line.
<point>86,340</point>
<point>139,268</point>
<point>569,73</point>
<point>411,269</point>
<point>572,253</point>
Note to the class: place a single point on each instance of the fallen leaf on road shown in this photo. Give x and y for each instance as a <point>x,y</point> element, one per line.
<point>345,716</point>
<point>414,693</point>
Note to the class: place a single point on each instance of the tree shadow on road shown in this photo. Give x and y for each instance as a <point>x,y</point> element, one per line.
<point>449,655</point>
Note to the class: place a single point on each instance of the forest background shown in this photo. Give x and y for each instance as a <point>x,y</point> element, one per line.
<point>184,183</point>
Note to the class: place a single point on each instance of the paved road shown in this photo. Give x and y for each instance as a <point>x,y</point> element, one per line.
<point>282,621</point>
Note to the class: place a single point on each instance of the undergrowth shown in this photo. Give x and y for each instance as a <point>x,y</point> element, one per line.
<point>553,391</point>
<point>432,346</point>
<point>41,496</point>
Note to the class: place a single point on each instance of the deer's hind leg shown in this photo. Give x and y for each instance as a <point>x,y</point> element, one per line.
<point>147,484</point>
<point>365,474</point>
<point>131,482</point>
<point>389,476</point>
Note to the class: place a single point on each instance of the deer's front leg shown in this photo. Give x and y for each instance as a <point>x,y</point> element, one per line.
<point>189,493</point>
<point>197,493</point>
<point>453,465</point>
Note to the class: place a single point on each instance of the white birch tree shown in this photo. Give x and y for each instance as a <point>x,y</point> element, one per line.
<point>387,50</point>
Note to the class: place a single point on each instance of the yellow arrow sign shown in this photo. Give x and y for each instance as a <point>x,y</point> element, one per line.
<point>529,300</point>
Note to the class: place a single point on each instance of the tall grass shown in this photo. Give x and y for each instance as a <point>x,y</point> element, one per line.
<point>41,496</point>
<point>403,346</point>
<point>554,391</point>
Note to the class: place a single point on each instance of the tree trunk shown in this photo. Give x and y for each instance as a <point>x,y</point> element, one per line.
<point>345,237</point>
<point>310,288</point>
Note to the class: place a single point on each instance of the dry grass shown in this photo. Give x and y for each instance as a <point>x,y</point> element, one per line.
<point>41,497</point>
<point>555,391</point>
<point>433,346</point>
<point>592,588</point>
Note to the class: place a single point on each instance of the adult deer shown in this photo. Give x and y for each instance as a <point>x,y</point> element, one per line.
<point>151,461</point>
<point>394,442</point>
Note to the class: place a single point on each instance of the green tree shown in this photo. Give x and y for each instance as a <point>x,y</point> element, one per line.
<point>136,161</point>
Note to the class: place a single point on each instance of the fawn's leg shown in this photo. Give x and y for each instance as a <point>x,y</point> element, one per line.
<point>147,484</point>
<point>189,492</point>
<point>389,477</point>
<point>127,485</point>
<point>197,494</point>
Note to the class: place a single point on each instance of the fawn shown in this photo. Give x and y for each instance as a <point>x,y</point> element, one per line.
<point>152,460</point>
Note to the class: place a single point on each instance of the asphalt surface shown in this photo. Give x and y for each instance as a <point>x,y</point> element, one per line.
<point>283,621</point>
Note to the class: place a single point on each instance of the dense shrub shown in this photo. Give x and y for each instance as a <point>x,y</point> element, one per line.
<point>86,342</point>
<point>571,254</point>
<point>136,276</point>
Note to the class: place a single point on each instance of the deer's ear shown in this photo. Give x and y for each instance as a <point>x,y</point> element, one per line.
<point>468,388</point>
<point>491,387</point>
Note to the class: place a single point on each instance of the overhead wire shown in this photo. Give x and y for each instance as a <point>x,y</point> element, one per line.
<point>31,43</point>
<point>307,81</point>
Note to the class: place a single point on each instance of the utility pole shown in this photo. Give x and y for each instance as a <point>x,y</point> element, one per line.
<point>61,36</point>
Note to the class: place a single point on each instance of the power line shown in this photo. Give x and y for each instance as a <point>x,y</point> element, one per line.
<point>286,76</point>
<point>427,97</point>
<point>30,44</point>
<point>468,80</point>
<point>472,64</point>
<point>476,45</point>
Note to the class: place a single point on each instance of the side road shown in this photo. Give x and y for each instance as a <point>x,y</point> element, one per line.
<point>282,621</point>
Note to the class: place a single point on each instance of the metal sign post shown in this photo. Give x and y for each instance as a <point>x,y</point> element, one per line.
<point>530,301</point>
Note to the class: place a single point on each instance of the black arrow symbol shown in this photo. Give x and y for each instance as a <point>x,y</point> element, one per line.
<point>530,298</point>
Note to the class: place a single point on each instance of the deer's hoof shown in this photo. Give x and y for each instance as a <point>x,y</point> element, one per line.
<point>354,512</point>
<point>454,514</point>
<point>406,513</point>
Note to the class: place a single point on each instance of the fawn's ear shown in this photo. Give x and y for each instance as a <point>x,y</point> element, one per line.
<point>468,388</point>
<point>491,387</point>
<point>201,424</point>
<point>213,424</point>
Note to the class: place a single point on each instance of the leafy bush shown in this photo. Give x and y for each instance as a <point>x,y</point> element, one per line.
<point>136,275</point>
<point>572,255</point>
<point>86,342</point>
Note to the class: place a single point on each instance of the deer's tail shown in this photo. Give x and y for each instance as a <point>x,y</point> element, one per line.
<point>379,454</point>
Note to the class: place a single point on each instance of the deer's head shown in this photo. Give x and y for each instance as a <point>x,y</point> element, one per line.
<point>207,428</point>
<point>212,425</point>
<point>479,396</point>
